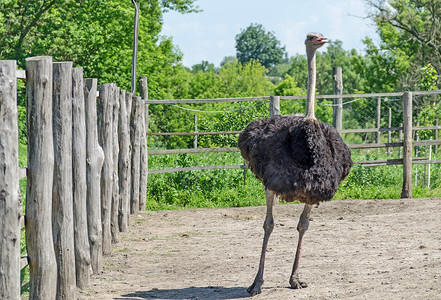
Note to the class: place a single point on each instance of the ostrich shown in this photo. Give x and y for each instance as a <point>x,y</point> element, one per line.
<point>297,158</point>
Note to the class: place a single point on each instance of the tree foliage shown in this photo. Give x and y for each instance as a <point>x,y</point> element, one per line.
<point>232,80</point>
<point>410,33</point>
<point>335,56</point>
<point>254,43</point>
<point>97,35</point>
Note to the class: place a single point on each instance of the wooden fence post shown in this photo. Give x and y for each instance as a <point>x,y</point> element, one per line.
<point>114,227</point>
<point>142,158</point>
<point>195,138</point>
<point>143,141</point>
<point>10,204</point>
<point>406,191</point>
<point>129,103</point>
<point>105,131</point>
<point>123,163</point>
<point>378,120</point>
<point>338,90</point>
<point>436,135</point>
<point>62,202</point>
<point>135,136</point>
<point>82,248</point>
<point>95,160</point>
<point>40,170</point>
<point>400,138</point>
<point>389,133</point>
<point>274,105</point>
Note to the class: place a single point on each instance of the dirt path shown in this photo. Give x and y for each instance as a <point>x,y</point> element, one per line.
<point>359,249</point>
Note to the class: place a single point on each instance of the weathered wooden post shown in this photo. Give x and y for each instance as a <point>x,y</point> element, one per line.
<point>389,133</point>
<point>123,163</point>
<point>436,135</point>
<point>400,138</point>
<point>195,128</point>
<point>143,141</point>
<point>114,227</point>
<point>40,171</point>
<point>62,202</point>
<point>129,102</point>
<point>10,204</point>
<point>274,105</point>
<point>105,131</point>
<point>338,106</point>
<point>142,160</point>
<point>378,120</point>
<point>135,137</point>
<point>406,191</point>
<point>94,159</point>
<point>82,248</point>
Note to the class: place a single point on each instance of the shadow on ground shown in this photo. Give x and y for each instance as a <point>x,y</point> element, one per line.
<point>206,293</point>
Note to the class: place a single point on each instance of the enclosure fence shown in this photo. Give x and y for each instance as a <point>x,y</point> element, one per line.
<point>87,161</point>
<point>388,121</point>
<point>86,173</point>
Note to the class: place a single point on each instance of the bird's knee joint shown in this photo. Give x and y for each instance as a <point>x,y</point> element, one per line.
<point>268,225</point>
<point>303,225</point>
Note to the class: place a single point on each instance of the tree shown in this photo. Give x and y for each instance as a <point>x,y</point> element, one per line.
<point>232,80</point>
<point>96,35</point>
<point>257,44</point>
<point>410,33</point>
<point>227,60</point>
<point>335,56</point>
<point>204,66</point>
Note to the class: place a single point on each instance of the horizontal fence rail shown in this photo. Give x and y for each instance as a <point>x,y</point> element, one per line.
<point>366,163</point>
<point>267,98</point>
<point>198,168</point>
<point>235,149</point>
<point>367,130</point>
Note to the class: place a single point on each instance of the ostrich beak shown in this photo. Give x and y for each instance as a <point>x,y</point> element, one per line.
<point>320,41</point>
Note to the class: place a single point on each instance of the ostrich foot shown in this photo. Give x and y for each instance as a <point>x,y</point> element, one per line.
<point>255,288</point>
<point>296,283</point>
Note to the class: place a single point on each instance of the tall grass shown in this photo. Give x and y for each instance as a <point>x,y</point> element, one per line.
<point>227,188</point>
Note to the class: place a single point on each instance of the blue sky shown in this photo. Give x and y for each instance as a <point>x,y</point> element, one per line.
<point>210,34</point>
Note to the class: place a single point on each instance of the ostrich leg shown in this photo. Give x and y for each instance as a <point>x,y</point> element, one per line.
<point>301,227</point>
<point>268,226</point>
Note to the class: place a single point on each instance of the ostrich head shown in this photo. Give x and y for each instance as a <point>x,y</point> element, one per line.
<point>315,40</point>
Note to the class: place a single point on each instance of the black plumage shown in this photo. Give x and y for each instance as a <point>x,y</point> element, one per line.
<point>297,158</point>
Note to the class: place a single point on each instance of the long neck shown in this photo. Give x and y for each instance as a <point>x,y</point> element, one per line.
<point>310,53</point>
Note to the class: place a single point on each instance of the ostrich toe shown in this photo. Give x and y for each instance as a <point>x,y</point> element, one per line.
<point>297,284</point>
<point>255,288</point>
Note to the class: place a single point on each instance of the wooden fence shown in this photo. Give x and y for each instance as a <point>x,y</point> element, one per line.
<point>85,175</point>
<point>87,169</point>
<point>406,142</point>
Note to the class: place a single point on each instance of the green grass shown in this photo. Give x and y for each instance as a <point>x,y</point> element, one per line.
<point>226,188</point>
<point>206,188</point>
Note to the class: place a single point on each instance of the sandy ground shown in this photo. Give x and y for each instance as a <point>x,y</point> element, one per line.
<point>357,249</point>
